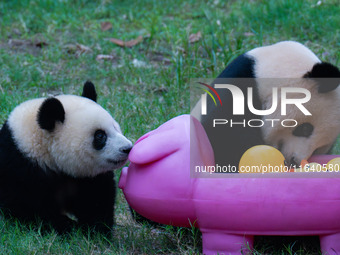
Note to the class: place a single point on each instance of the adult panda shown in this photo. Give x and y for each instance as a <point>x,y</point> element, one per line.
<point>57,157</point>
<point>284,64</point>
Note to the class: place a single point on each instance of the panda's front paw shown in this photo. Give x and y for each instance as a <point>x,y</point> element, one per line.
<point>63,224</point>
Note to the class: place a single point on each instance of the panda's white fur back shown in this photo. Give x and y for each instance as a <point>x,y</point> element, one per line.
<point>69,147</point>
<point>286,59</point>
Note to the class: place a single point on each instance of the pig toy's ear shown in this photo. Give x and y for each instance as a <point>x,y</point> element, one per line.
<point>154,146</point>
<point>172,136</point>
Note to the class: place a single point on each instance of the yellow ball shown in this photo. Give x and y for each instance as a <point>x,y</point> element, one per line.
<point>262,159</point>
<point>334,165</point>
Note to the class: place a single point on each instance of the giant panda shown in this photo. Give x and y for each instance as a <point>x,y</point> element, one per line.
<point>57,157</point>
<point>284,64</point>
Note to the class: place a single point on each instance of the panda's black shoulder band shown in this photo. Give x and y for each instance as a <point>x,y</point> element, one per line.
<point>49,113</point>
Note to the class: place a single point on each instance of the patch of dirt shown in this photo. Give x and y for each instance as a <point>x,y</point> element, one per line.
<point>31,46</point>
<point>77,49</point>
<point>159,58</point>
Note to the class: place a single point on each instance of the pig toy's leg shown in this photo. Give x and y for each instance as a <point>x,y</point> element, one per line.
<point>330,244</point>
<point>222,243</point>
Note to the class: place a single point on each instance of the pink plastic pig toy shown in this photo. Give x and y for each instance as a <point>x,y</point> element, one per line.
<point>228,211</point>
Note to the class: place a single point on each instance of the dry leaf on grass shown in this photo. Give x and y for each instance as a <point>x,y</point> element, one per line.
<point>128,44</point>
<point>31,43</point>
<point>19,43</point>
<point>104,57</point>
<point>77,49</point>
<point>195,37</point>
<point>16,32</point>
<point>31,46</point>
<point>160,58</point>
<point>161,89</point>
<point>139,63</point>
<point>119,42</point>
<point>83,48</point>
<point>247,34</point>
<point>70,48</point>
<point>106,26</point>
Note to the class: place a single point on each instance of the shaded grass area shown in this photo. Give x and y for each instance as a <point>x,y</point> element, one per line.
<point>40,55</point>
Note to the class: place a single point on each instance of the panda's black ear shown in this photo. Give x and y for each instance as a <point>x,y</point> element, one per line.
<point>325,70</point>
<point>89,91</point>
<point>49,113</point>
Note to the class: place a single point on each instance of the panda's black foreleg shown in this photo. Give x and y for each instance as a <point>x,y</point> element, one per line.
<point>87,202</point>
<point>62,224</point>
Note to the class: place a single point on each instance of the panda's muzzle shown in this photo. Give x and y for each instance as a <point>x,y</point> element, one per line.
<point>117,162</point>
<point>293,162</point>
<point>124,154</point>
<point>126,149</point>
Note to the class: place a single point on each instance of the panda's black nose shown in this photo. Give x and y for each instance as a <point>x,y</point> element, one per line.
<point>126,149</point>
<point>293,162</point>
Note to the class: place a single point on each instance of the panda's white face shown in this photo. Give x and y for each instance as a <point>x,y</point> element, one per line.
<point>87,142</point>
<point>314,134</point>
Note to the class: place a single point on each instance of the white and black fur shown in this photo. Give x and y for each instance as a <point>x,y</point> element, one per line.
<point>287,59</point>
<point>56,160</point>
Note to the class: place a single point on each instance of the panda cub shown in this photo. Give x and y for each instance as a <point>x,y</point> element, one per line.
<point>57,157</point>
<point>285,64</point>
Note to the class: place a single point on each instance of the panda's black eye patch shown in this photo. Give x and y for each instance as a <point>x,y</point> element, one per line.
<point>99,139</point>
<point>304,130</point>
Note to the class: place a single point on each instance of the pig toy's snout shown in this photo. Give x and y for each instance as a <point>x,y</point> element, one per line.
<point>123,177</point>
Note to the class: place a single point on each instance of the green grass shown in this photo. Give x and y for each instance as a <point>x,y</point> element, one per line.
<point>141,98</point>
